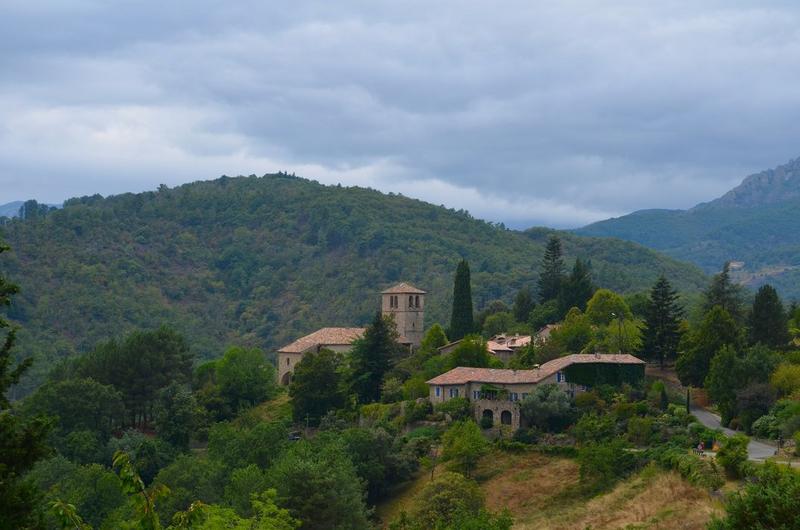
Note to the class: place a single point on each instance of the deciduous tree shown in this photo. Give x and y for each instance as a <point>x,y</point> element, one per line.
<point>463,445</point>
<point>316,386</point>
<point>718,329</point>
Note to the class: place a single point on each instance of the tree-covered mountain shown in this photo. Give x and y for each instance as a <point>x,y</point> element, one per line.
<point>755,225</point>
<point>261,261</point>
<point>10,209</point>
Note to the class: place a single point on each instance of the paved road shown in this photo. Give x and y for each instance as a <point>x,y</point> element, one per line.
<point>757,451</point>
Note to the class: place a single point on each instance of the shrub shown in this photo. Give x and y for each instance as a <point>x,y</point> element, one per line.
<point>640,430</point>
<point>770,501</point>
<point>444,499</point>
<point>733,455</point>
<point>415,387</point>
<point>603,464</point>
<point>424,432</point>
<point>767,426</point>
<point>797,443</point>
<point>548,408</point>
<point>457,408</point>
<point>416,411</point>
<point>589,401</point>
<point>698,471</point>
<point>527,436</point>
<point>592,427</point>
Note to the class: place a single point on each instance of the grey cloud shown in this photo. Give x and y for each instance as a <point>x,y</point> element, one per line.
<point>562,113</point>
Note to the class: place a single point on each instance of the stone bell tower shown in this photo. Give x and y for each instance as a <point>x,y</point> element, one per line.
<point>406,304</point>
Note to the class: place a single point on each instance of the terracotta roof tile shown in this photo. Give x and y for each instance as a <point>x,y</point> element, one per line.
<point>462,374</point>
<point>324,336</point>
<point>403,288</point>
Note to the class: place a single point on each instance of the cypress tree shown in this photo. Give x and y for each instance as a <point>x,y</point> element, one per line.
<point>577,288</point>
<point>661,334</point>
<point>551,275</point>
<point>371,357</point>
<point>768,321</point>
<point>461,320</point>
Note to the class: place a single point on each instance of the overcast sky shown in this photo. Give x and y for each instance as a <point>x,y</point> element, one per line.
<point>531,113</point>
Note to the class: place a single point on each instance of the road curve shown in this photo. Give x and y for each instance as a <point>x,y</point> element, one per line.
<point>756,450</point>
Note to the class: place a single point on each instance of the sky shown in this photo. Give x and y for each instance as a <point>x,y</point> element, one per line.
<point>524,112</point>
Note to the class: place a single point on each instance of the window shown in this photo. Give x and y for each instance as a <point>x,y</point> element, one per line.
<point>416,301</point>
<point>410,301</point>
<point>287,361</point>
<point>453,392</point>
<point>476,394</point>
<point>513,396</point>
<point>560,377</point>
<point>438,391</point>
<point>505,417</point>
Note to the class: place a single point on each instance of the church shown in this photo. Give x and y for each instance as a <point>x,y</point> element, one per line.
<point>403,302</point>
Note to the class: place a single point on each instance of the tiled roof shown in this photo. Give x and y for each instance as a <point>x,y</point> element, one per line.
<point>462,374</point>
<point>324,337</point>
<point>403,288</point>
<point>493,346</point>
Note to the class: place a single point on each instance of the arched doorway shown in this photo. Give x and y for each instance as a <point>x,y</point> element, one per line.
<point>505,417</point>
<point>488,416</point>
<point>286,379</point>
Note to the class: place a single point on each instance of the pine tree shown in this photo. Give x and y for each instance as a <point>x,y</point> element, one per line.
<point>551,275</point>
<point>577,288</point>
<point>372,356</point>
<point>22,441</point>
<point>661,334</point>
<point>461,321</point>
<point>724,293</point>
<point>768,321</point>
<point>523,305</point>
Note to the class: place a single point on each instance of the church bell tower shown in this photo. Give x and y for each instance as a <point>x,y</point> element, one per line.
<point>406,305</point>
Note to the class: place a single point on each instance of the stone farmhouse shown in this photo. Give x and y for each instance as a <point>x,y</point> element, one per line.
<point>403,302</point>
<point>496,393</point>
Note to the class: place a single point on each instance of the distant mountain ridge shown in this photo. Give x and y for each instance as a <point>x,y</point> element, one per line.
<point>772,186</point>
<point>10,209</point>
<point>261,261</point>
<point>756,225</point>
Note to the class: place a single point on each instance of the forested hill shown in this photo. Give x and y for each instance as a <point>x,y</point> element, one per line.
<point>261,261</point>
<point>756,224</point>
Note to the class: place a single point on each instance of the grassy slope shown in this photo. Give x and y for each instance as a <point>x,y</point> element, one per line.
<point>261,261</point>
<point>540,492</point>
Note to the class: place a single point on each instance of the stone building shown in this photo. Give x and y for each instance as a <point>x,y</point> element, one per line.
<point>496,393</point>
<point>406,304</point>
<point>403,302</point>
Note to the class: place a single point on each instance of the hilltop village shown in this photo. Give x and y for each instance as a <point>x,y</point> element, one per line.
<point>495,394</point>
